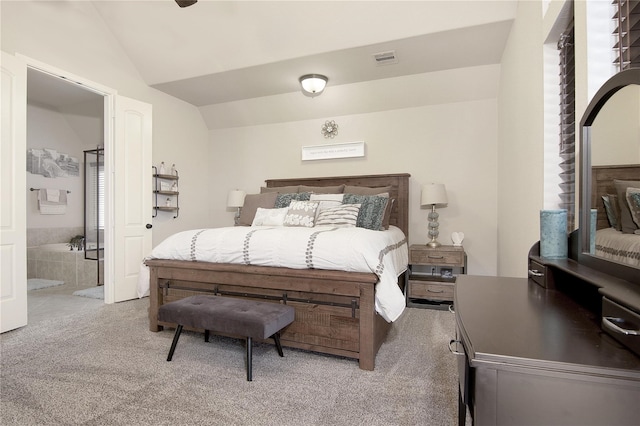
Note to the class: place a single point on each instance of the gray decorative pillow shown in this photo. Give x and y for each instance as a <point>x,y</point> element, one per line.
<point>612,210</point>
<point>251,204</point>
<point>282,189</point>
<point>338,189</point>
<point>633,199</point>
<point>344,216</point>
<point>301,213</point>
<point>372,208</point>
<point>283,200</point>
<point>366,190</point>
<point>628,225</point>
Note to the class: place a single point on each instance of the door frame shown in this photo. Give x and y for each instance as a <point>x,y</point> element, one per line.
<point>109,95</point>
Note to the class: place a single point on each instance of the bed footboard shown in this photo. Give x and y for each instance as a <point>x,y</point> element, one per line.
<point>335,310</point>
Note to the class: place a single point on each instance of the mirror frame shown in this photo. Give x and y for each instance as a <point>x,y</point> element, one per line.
<point>613,85</point>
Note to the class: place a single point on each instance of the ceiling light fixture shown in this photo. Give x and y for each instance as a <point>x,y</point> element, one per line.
<point>313,84</point>
<point>186,3</point>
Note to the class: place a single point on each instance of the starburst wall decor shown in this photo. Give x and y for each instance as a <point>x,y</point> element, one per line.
<point>329,129</point>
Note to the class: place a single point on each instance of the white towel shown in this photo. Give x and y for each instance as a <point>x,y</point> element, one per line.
<point>51,207</point>
<point>53,195</point>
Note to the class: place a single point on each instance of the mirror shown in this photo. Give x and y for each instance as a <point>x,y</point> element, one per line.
<point>610,149</point>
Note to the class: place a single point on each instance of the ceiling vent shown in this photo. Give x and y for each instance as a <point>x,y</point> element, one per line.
<point>385,58</point>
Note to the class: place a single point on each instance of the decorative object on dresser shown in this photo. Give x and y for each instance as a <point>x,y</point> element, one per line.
<point>553,234</point>
<point>337,309</point>
<point>167,185</point>
<point>457,238</point>
<point>235,200</point>
<point>431,275</point>
<point>433,195</point>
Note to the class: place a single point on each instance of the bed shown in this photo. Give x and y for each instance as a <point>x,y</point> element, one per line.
<point>612,242</point>
<point>336,310</point>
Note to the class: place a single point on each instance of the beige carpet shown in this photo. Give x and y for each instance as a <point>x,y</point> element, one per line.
<point>105,368</point>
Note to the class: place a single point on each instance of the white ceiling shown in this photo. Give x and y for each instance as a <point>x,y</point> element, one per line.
<point>225,51</point>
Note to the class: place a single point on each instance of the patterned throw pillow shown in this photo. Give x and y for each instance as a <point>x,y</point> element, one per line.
<point>343,216</point>
<point>269,217</point>
<point>372,208</point>
<point>633,198</point>
<point>283,200</point>
<point>611,208</point>
<point>301,213</point>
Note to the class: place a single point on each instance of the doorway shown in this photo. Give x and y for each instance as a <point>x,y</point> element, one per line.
<point>64,119</point>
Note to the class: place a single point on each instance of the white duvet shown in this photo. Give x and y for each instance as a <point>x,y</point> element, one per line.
<point>353,249</point>
<point>614,245</point>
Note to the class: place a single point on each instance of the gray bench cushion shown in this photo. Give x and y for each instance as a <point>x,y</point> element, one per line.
<point>259,320</point>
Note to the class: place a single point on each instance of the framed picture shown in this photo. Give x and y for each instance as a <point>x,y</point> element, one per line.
<point>446,272</point>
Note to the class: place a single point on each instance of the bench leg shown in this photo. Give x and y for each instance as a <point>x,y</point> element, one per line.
<point>276,338</point>
<point>175,342</point>
<point>249,359</point>
<point>206,335</point>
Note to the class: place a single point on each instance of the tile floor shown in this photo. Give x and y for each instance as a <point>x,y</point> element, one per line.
<point>55,301</point>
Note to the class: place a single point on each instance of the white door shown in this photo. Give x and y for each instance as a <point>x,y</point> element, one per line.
<point>13,184</point>
<point>131,195</point>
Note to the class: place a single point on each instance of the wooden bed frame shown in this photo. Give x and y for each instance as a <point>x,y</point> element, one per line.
<point>335,310</point>
<point>602,183</point>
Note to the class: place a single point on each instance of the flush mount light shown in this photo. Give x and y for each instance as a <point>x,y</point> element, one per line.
<point>313,84</point>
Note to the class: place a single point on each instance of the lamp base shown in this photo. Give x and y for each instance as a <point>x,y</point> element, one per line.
<point>433,243</point>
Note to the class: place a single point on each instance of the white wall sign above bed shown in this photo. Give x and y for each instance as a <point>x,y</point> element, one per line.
<point>336,150</point>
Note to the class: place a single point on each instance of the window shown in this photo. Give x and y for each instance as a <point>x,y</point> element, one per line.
<point>627,33</point>
<point>567,124</point>
<point>96,192</point>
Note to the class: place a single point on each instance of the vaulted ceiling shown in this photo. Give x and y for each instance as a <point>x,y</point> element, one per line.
<point>218,53</point>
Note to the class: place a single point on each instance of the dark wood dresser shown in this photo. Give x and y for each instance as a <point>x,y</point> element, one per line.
<point>533,355</point>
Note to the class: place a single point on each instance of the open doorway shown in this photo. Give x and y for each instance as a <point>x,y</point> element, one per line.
<point>64,121</point>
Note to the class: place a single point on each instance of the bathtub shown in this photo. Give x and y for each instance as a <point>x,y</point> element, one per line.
<point>60,262</point>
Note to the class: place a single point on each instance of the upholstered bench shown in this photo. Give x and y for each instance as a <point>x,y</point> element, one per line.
<point>228,315</point>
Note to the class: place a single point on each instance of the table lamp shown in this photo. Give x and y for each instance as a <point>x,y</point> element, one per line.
<point>433,195</point>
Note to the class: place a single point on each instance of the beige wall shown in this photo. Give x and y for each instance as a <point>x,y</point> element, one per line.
<point>520,147</point>
<point>71,36</point>
<point>452,143</point>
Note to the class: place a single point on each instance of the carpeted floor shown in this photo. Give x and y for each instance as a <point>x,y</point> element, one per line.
<point>105,367</point>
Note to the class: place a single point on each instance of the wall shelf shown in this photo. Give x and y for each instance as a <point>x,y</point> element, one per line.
<point>165,186</point>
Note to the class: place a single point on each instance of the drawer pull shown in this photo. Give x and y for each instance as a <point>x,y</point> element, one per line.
<point>610,323</point>
<point>453,351</point>
<point>435,257</point>
<point>535,273</point>
<point>435,291</point>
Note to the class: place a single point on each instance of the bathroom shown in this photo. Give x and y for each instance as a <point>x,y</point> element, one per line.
<point>65,200</point>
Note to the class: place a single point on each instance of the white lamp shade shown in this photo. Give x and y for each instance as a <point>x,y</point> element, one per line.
<point>235,198</point>
<point>313,84</point>
<point>433,193</point>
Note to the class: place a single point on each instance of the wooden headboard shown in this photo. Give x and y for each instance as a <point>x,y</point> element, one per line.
<point>602,181</point>
<point>399,184</point>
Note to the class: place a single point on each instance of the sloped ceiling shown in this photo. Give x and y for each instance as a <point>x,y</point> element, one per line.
<point>226,56</point>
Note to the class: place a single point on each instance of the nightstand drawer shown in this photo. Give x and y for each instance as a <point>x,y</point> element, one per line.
<point>437,257</point>
<point>431,290</point>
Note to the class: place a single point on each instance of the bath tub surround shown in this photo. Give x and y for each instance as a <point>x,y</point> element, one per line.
<point>61,262</point>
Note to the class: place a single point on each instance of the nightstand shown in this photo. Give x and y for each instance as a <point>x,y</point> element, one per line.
<point>431,275</point>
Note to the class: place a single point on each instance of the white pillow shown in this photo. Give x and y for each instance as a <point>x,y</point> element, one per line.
<point>269,217</point>
<point>326,200</point>
<point>342,216</point>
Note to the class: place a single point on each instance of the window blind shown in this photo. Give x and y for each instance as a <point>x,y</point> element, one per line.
<point>96,192</point>
<point>567,124</point>
<point>627,33</point>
